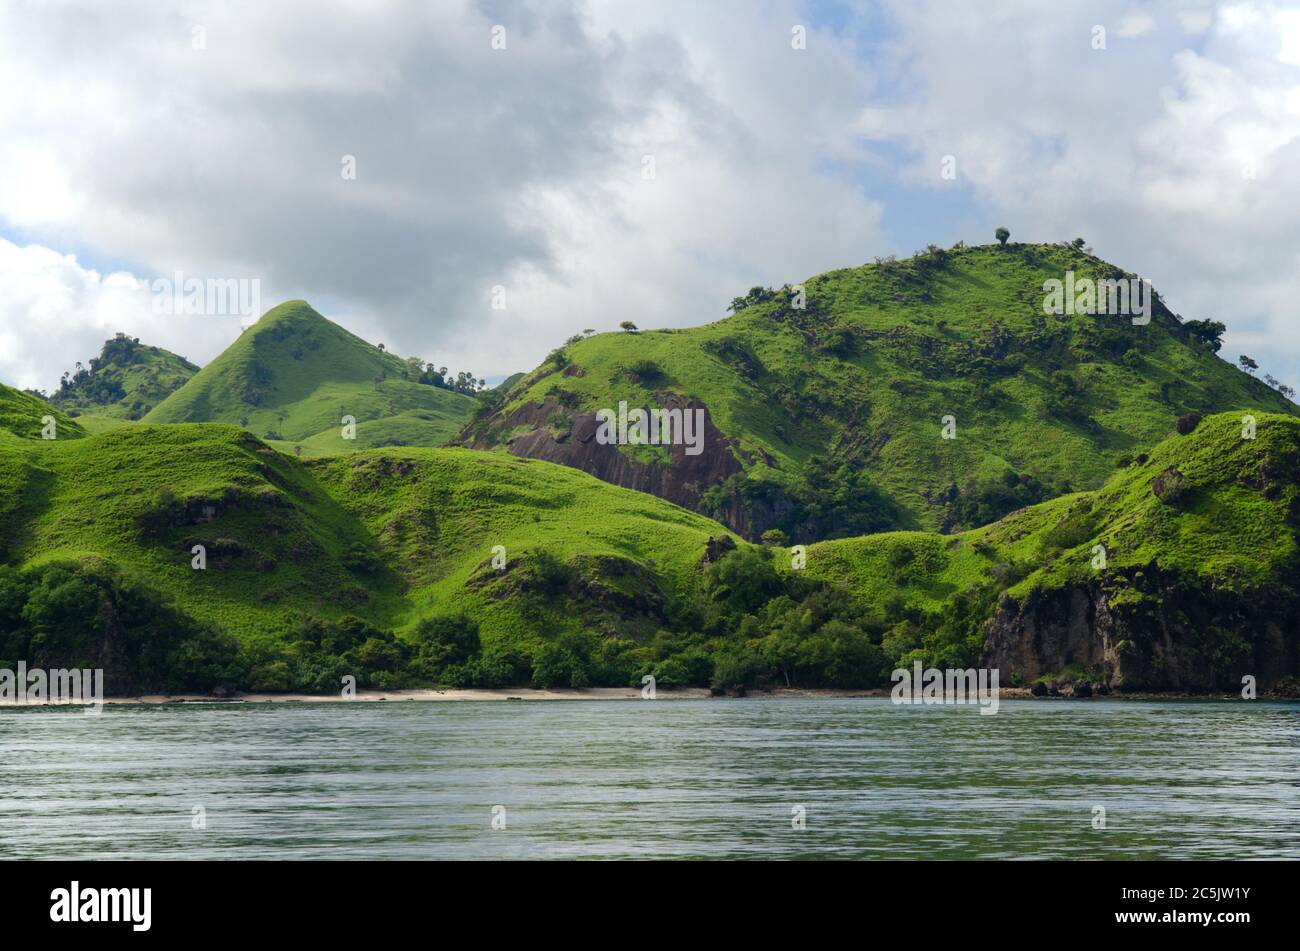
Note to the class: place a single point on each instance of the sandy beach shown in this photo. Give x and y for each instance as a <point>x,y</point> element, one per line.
<point>590,693</point>
<point>431,695</point>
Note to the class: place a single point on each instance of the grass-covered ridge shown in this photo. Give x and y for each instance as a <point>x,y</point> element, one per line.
<point>368,546</point>
<point>380,564</point>
<point>22,416</point>
<point>853,391</point>
<point>1227,521</point>
<point>293,376</point>
<point>140,497</point>
<point>1207,519</point>
<point>125,381</point>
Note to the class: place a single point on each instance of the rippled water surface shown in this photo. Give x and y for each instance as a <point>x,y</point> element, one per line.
<point>604,779</point>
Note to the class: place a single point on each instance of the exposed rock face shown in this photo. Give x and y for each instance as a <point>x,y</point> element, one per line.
<point>681,480</point>
<point>1170,487</point>
<point>716,547</point>
<point>1173,636</point>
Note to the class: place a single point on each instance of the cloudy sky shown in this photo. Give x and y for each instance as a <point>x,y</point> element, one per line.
<point>622,160</point>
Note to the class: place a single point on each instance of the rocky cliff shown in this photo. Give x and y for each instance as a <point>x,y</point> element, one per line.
<point>1159,634</point>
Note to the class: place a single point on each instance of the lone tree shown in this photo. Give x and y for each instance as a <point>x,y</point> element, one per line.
<point>1207,332</point>
<point>628,326</point>
<point>1247,364</point>
<point>1002,234</point>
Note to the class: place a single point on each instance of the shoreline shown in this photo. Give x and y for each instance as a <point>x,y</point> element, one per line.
<point>521,694</point>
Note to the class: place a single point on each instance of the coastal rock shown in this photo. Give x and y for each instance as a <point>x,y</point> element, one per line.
<point>1147,632</point>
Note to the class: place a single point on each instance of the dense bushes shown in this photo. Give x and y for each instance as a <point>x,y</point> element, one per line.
<point>750,625</point>
<point>70,614</point>
<point>760,627</point>
<point>980,502</point>
<point>314,656</point>
<point>836,499</point>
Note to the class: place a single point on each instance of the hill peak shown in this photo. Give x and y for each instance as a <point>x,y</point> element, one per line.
<point>125,381</point>
<point>939,392</point>
<point>288,310</point>
<point>295,374</point>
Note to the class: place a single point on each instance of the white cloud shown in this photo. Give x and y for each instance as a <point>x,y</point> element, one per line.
<point>474,167</point>
<point>1195,21</point>
<point>54,312</point>
<point>1288,34</point>
<point>1171,154</point>
<point>1135,24</point>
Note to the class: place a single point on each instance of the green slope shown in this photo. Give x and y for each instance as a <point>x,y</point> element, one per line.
<point>379,564</point>
<point>437,514</point>
<point>21,416</point>
<point>138,497</point>
<point>125,381</point>
<point>388,536</point>
<point>294,375</point>
<point>835,412</point>
<point>1201,565</point>
<point>1231,526</point>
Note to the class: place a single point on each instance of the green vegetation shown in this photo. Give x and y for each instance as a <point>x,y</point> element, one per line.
<point>21,416</point>
<point>125,381</point>
<point>293,377</point>
<point>858,381</point>
<point>377,541</point>
<point>380,565</point>
<point>1098,516</point>
<point>85,615</point>
<point>1228,533</point>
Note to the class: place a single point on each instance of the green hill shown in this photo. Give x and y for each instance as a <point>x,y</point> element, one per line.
<point>361,546</point>
<point>125,381</point>
<point>294,375</point>
<point>826,421</point>
<point>1181,572</point>
<point>21,415</point>
<point>379,565</point>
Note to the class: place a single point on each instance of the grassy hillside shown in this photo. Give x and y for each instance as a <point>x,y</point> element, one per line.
<point>830,417</point>
<point>21,415</point>
<point>94,423</point>
<point>373,543</point>
<point>142,496</point>
<point>1198,534</point>
<point>125,381</point>
<point>380,565</point>
<point>294,375</point>
<point>1229,526</point>
<point>435,515</point>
